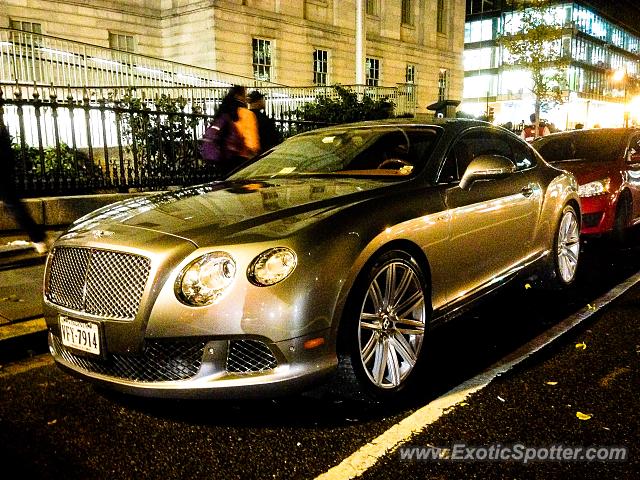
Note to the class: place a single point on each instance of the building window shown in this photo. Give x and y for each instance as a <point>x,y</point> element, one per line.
<point>373,72</point>
<point>372,7</point>
<point>121,42</point>
<point>27,27</point>
<point>443,84</point>
<point>440,18</point>
<point>407,12</point>
<point>30,27</point>
<point>320,67</point>
<point>480,6</point>
<point>262,59</point>
<point>410,75</point>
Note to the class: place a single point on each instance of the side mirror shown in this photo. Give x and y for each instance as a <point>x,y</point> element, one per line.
<point>634,158</point>
<point>486,167</point>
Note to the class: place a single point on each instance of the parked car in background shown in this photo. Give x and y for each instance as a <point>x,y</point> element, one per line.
<point>341,247</point>
<point>606,163</point>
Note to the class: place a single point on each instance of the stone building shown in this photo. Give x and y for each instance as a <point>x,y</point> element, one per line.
<point>286,42</point>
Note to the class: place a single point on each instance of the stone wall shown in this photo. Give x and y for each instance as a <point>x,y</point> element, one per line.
<point>61,211</point>
<point>218,35</point>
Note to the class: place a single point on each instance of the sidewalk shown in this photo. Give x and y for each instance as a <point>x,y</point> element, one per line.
<point>22,327</point>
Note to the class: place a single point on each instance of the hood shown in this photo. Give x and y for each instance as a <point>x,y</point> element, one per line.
<point>219,211</point>
<point>587,171</point>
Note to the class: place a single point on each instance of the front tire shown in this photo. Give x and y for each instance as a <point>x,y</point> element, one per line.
<point>384,326</point>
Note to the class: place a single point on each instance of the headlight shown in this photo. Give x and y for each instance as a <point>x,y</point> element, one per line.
<point>204,280</point>
<point>272,266</point>
<point>591,189</point>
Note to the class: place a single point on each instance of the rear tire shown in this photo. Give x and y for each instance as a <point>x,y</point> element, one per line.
<point>384,325</point>
<point>566,249</point>
<point>622,220</point>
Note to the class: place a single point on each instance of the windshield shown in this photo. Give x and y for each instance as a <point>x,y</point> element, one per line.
<point>389,151</point>
<point>589,145</point>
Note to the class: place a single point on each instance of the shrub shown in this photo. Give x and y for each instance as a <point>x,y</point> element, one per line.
<point>347,107</point>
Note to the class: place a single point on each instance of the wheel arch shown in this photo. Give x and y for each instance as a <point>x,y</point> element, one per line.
<point>398,244</point>
<point>576,206</point>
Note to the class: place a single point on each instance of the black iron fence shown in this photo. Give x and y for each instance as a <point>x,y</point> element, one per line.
<point>68,145</point>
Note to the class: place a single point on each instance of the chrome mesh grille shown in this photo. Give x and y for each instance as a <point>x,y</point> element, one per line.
<point>160,361</point>
<point>249,356</point>
<point>99,282</point>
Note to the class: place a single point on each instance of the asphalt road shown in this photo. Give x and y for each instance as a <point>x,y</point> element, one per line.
<point>55,426</point>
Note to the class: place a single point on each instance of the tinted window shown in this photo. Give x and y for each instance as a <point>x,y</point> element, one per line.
<point>634,149</point>
<point>523,156</point>
<point>593,145</point>
<point>471,145</point>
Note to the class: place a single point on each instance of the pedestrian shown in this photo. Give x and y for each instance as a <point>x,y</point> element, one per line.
<point>232,137</point>
<point>269,135</point>
<point>9,194</point>
<point>529,132</point>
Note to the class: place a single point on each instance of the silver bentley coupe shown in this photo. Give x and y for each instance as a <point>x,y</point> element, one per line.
<point>338,250</point>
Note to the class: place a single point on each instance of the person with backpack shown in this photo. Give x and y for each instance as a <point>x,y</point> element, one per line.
<point>232,138</point>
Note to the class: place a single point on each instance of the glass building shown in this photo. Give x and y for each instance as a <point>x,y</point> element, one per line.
<point>604,55</point>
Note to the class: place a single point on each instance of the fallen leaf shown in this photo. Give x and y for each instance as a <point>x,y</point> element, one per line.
<point>463,404</point>
<point>591,307</point>
<point>527,286</point>
<point>581,345</point>
<point>552,383</point>
<point>52,422</point>
<point>583,416</point>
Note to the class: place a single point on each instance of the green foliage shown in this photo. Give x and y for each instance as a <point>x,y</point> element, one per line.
<point>161,139</point>
<point>64,162</point>
<point>347,107</point>
<point>536,45</point>
<point>461,114</point>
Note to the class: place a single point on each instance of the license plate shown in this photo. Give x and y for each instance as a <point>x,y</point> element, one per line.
<point>83,336</point>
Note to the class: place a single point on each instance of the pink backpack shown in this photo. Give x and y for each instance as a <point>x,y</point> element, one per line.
<point>221,140</point>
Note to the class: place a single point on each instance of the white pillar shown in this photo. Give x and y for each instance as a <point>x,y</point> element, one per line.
<point>360,42</point>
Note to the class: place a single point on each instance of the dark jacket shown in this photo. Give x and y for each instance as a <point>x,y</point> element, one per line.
<point>269,135</point>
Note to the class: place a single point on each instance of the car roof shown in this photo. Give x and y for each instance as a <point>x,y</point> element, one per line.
<point>588,131</point>
<point>449,123</point>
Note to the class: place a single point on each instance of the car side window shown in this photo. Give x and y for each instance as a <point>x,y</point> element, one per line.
<point>633,155</point>
<point>523,156</point>
<point>469,146</point>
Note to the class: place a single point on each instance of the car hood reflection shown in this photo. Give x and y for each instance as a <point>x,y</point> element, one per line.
<point>586,171</point>
<point>221,210</point>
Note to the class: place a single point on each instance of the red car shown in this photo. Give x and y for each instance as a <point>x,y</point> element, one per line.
<point>606,163</point>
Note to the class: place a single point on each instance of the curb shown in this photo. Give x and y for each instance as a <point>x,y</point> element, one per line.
<point>23,339</point>
<point>18,261</point>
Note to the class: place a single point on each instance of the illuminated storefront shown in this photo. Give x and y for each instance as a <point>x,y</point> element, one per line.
<point>604,59</point>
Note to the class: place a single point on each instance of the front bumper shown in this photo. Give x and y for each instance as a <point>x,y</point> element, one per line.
<point>598,214</point>
<point>204,368</point>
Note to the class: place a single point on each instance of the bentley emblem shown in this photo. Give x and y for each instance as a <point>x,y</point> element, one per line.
<point>101,233</point>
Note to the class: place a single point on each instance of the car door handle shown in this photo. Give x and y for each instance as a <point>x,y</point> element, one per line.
<point>526,191</point>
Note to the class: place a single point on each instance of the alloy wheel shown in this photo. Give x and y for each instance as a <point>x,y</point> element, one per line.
<point>392,324</point>
<point>568,248</point>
